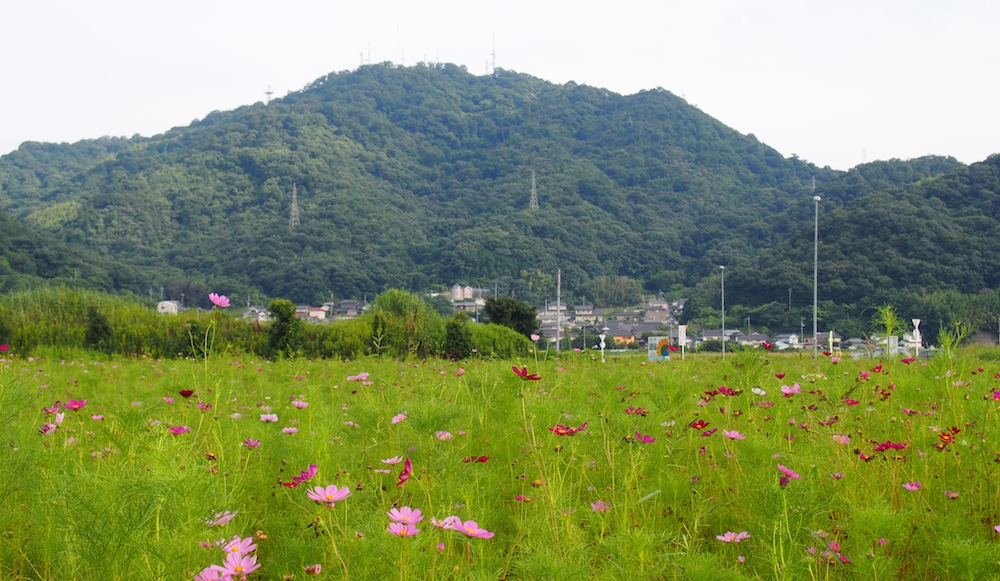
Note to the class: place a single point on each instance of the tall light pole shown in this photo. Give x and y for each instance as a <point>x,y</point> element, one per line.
<point>816,199</point>
<point>722,272</point>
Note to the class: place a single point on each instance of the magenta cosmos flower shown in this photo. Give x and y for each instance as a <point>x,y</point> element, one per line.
<point>329,495</point>
<point>75,404</point>
<point>405,515</point>
<point>306,474</point>
<point>645,439</point>
<point>406,473</point>
<point>178,430</point>
<point>403,530</point>
<point>218,300</point>
<point>788,472</point>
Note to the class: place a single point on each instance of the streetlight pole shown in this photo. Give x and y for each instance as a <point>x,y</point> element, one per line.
<point>816,199</point>
<point>722,271</point>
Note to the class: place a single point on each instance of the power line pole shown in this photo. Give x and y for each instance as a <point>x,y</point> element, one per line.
<point>293,218</point>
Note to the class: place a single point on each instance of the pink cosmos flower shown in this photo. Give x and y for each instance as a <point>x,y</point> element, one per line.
<point>405,515</point>
<point>328,495</point>
<point>645,439</point>
<point>790,390</point>
<point>788,472</point>
<point>220,519</point>
<point>240,546</point>
<point>398,418</point>
<point>471,529</point>
<point>450,522</point>
<point>213,573</point>
<point>251,443</point>
<point>290,430</point>
<point>733,435</point>
<point>911,486</point>
<point>74,404</point>
<point>300,404</point>
<point>237,565</point>
<point>218,300</point>
<point>731,537</point>
<point>268,417</point>
<point>406,473</point>
<point>403,530</point>
<point>178,430</point>
<point>600,506</point>
<point>443,436</point>
<point>392,461</point>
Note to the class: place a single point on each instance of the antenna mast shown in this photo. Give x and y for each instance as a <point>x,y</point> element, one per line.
<point>268,94</point>
<point>533,202</point>
<point>293,218</point>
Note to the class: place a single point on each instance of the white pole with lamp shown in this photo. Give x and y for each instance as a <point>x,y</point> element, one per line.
<point>816,199</point>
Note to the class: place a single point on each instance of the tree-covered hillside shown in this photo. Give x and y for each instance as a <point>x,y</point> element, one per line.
<point>415,176</point>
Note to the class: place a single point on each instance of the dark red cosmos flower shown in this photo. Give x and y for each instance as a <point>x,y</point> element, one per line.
<point>699,424</point>
<point>186,392</point>
<point>406,473</point>
<point>561,430</point>
<point>523,374</point>
<point>482,459</point>
<point>887,445</point>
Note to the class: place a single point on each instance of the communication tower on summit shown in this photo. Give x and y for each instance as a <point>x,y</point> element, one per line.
<point>293,218</point>
<point>533,201</point>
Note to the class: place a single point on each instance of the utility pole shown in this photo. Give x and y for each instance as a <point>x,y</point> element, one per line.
<point>558,303</point>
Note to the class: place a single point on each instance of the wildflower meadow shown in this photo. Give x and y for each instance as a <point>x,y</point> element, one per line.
<point>762,466</point>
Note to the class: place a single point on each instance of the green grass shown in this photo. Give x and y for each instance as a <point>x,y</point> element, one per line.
<point>122,498</point>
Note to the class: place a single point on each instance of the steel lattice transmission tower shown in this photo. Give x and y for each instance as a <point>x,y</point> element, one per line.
<point>293,218</point>
<point>533,201</point>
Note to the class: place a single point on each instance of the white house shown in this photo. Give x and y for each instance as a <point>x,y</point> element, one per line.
<point>168,307</point>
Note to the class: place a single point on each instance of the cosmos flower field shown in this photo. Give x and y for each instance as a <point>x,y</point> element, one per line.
<point>763,466</point>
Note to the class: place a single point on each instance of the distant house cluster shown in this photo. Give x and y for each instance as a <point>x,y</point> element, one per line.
<point>330,311</point>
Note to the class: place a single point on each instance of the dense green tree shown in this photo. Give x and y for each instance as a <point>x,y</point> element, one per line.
<point>458,342</point>
<point>510,312</point>
<point>285,333</point>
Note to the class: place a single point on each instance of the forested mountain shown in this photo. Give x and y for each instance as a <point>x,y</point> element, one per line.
<point>414,176</point>
<point>29,259</point>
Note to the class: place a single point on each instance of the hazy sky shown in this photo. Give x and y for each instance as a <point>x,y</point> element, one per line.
<point>831,81</point>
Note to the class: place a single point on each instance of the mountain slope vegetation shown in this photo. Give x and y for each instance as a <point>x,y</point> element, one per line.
<point>411,177</point>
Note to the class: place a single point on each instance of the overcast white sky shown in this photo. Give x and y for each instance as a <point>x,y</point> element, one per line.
<point>831,81</point>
